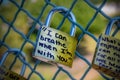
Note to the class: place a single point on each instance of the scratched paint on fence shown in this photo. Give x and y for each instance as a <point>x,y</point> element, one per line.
<point>108,55</point>
<point>55,45</point>
<point>6,74</point>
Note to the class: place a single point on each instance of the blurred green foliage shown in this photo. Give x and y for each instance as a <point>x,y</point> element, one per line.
<point>81,10</point>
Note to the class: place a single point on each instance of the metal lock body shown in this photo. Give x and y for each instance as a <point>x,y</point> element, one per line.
<point>55,46</point>
<point>107,54</point>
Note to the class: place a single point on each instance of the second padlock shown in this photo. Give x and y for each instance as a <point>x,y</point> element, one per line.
<point>55,46</point>
<point>107,54</point>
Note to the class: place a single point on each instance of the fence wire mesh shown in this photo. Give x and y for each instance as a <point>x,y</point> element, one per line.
<point>19,55</point>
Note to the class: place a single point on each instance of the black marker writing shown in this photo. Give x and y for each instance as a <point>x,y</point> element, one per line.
<point>65,51</point>
<point>116,54</point>
<point>43,28</point>
<point>101,55</point>
<point>118,61</point>
<point>3,72</point>
<point>47,46</point>
<point>50,40</point>
<point>110,46</point>
<point>104,50</point>
<point>118,43</point>
<point>45,53</point>
<point>61,58</point>
<point>106,39</point>
<point>59,36</point>
<point>114,65</point>
<point>110,58</point>
<point>13,77</point>
<point>100,60</point>
<point>105,66</point>
<point>49,33</point>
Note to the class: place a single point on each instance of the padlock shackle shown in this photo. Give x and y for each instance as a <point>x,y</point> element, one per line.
<point>110,25</point>
<point>63,11</point>
<point>16,52</point>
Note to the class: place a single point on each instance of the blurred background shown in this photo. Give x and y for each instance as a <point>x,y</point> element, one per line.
<point>83,13</point>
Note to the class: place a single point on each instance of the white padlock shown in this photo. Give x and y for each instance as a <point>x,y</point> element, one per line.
<point>107,54</point>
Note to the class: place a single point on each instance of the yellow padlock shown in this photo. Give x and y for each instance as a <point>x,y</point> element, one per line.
<point>55,46</point>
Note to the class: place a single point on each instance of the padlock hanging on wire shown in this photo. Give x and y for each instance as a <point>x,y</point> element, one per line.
<point>107,53</point>
<point>8,74</point>
<point>55,46</point>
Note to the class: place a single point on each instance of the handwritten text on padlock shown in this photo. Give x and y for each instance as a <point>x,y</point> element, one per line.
<point>108,53</point>
<point>56,46</point>
<point>6,74</point>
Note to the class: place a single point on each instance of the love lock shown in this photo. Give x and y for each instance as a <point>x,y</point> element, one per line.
<point>8,74</point>
<point>107,54</point>
<point>55,46</point>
